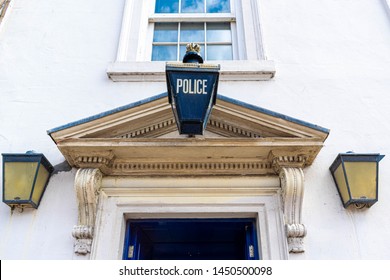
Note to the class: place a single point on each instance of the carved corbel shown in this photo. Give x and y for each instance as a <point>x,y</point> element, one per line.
<point>87,184</point>
<point>292,181</point>
<point>289,167</point>
<point>280,160</point>
<point>94,160</point>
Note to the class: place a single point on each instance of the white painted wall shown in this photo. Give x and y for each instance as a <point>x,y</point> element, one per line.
<point>332,68</point>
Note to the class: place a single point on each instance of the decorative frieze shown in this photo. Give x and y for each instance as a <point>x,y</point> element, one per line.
<point>203,168</point>
<point>87,184</point>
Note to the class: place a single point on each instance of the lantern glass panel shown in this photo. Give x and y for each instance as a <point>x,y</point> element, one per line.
<point>362,179</point>
<point>341,183</point>
<point>40,184</point>
<point>19,180</point>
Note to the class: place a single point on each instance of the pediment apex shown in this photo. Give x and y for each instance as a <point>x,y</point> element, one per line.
<point>153,118</point>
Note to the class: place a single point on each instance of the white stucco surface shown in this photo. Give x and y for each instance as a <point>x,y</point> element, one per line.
<point>332,69</point>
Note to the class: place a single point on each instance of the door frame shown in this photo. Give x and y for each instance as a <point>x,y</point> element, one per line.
<point>133,227</point>
<point>123,198</point>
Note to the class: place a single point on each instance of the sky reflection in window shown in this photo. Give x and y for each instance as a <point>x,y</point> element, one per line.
<point>218,32</point>
<point>164,53</point>
<point>219,52</point>
<point>165,32</point>
<point>218,6</point>
<point>192,6</point>
<point>167,6</point>
<point>192,32</point>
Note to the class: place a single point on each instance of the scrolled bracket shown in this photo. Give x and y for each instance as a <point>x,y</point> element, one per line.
<point>87,185</point>
<point>292,181</point>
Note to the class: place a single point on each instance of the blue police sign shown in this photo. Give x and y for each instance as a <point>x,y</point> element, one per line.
<point>192,92</point>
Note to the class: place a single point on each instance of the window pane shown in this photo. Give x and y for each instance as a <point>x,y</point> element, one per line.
<point>218,32</point>
<point>164,53</point>
<point>192,32</point>
<point>167,6</point>
<point>218,6</point>
<point>165,32</point>
<point>183,51</point>
<point>219,52</point>
<point>192,6</point>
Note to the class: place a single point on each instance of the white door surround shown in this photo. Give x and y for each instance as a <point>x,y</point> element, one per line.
<point>133,164</point>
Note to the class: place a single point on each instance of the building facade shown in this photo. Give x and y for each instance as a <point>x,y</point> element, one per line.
<point>300,82</point>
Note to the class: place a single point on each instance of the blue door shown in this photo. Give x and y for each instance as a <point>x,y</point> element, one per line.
<point>191,239</point>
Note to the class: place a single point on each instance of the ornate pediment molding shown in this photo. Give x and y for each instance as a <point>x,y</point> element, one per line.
<point>141,139</point>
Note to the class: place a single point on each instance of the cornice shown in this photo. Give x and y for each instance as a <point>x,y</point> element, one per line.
<point>190,156</point>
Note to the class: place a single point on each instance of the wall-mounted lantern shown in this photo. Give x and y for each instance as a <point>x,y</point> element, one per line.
<point>25,177</point>
<point>192,91</point>
<point>356,178</point>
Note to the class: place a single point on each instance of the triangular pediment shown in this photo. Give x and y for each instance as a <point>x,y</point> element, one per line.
<point>146,132</point>
<point>153,118</point>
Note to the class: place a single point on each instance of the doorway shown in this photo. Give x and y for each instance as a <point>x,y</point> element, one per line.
<point>191,239</point>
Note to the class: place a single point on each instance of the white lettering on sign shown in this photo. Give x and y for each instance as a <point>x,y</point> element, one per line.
<point>189,86</point>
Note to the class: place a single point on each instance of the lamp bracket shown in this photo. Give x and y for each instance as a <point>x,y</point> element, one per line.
<point>292,182</point>
<point>87,185</point>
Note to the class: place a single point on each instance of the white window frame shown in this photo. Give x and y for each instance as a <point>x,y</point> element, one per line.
<point>133,62</point>
<point>195,17</point>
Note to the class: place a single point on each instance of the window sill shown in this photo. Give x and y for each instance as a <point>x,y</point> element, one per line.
<point>238,70</point>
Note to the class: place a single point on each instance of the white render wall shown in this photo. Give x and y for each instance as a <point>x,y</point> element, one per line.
<point>332,69</point>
